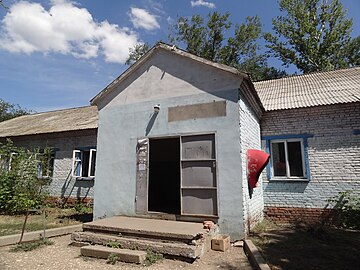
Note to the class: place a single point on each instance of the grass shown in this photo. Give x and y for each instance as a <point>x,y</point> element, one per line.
<point>152,257</point>
<point>55,217</point>
<point>32,245</point>
<point>112,259</point>
<point>309,247</point>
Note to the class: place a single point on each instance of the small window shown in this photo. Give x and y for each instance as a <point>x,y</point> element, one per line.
<point>84,163</point>
<point>45,160</point>
<point>287,158</point>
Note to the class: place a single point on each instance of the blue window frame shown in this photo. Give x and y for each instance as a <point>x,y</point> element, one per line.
<point>288,157</point>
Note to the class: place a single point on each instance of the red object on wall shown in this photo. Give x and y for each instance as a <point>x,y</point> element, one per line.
<point>257,161</point>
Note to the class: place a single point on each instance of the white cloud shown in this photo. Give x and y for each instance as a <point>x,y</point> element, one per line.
<point>203,3</point>
<point>64,28</point>
<point>170,20</point>
<point>141,18</point>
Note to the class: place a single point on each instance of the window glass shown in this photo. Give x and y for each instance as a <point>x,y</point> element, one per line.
<point>278,156</point>
<point>92,164</point>
<point>85,163</point>
<point>295,159</point>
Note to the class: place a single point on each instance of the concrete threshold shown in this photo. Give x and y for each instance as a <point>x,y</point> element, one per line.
<point>254,256</point>
<point>37,235</point>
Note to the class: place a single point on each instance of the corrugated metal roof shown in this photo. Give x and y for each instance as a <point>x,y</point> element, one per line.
<point>322,88</point>
<point>49,122</point>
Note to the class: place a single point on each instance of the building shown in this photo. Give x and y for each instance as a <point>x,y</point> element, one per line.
<point>173,134</point>
<point>71,134</point>
<point>311,128</point>
<point>172,139</point>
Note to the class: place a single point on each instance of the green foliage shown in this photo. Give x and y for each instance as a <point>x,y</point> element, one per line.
<point>152,257</point>
<point>136,53</point>
<point>112,259</point>
<point>113,244</point>
<point>314,35</point>
<point>20,187</point>
<point>81,208</point>
<point>8,110</point>
<point>32,245</point>
<point>211,40</point>
<point>347,205</point>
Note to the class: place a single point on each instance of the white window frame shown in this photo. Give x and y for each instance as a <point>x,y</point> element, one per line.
<point>75,161</point>
<point>287,176</point>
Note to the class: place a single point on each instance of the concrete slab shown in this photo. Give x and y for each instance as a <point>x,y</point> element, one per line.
<point>150,227</point>
<point>173,249</point>
<point>36,235</point>
<point>124,255</point>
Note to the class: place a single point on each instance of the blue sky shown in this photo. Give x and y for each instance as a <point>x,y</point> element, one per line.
<point>59,54</point>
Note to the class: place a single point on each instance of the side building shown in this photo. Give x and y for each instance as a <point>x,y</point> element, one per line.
<point>311,129</point>
<point>72,135</point>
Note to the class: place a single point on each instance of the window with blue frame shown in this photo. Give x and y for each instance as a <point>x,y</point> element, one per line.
<point>84,163</point>
<point>288,157</point>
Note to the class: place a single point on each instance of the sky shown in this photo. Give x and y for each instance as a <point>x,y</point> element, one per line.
<point>59,54</point>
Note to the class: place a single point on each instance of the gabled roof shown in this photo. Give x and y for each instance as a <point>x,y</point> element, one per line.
<point>173,49</point>
<point>322,88</point>
<point>49,122</point>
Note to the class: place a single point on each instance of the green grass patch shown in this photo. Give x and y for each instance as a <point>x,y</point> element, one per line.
<point>32,245</point>
<point>152,257</point>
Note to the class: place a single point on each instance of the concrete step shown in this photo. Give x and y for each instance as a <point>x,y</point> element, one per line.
<point>124,255</point>
<point>164,230</point>
<point>177,249</point>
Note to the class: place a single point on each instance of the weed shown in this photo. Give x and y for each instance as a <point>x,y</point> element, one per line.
<point>32,245</point>
<point>112,259</point>
<point>152,257</point>
<point>113,244</point>
<point>264,226</point>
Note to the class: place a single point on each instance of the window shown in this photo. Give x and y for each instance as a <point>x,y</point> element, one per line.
<point>45,160</point>
<point>287,158</point>
<point>84,163</point>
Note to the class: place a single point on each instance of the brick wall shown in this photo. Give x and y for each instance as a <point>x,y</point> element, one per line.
<point>63,185</point>
<point>250,139</point>
<point>333,154</point>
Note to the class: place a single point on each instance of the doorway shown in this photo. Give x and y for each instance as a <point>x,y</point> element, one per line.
<point>164,176</point>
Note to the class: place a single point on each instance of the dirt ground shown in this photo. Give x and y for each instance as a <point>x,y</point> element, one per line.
<point>309,247</point>
<point>62,256</point>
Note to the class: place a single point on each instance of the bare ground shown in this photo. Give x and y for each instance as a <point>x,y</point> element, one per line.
<point>61,256</point>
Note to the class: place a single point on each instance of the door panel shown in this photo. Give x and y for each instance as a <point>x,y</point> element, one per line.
<point>199,202</point>
<point>198,175</point>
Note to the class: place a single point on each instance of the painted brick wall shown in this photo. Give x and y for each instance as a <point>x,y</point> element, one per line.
<point>250,139</point>
<point>334,154</point>
<point>63,185</point>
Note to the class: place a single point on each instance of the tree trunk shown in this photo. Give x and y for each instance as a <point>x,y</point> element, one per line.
<point>24,225</point>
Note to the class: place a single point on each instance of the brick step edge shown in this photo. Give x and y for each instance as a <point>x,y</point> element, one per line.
<point>124,255</point>
<point>174,249</point>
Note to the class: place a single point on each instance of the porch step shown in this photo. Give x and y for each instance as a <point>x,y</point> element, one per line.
<point>177,249</point>
<point>164,230</point>
<point>124,255</point>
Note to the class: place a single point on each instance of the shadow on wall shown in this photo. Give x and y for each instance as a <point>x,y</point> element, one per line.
<point>73,187</point>
<point>286,186</point>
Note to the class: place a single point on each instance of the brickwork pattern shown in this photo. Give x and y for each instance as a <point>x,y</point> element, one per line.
<point>334,154</point>
<point>63,185</point>
<point>250,139</point>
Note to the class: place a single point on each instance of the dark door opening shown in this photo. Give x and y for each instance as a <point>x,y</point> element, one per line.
<point>164,176</point>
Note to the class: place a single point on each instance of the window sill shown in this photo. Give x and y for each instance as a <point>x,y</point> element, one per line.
<point>285,179</point>
<point>81,178</point>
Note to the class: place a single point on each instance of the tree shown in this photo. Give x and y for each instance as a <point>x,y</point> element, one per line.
<point>21,185</point>
<point>209,39</point>
<point>136,53</point>
<point>314,35</point>
<point>8,110</point>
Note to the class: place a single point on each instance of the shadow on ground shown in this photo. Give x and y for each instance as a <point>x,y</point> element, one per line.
<point>309,248</point>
